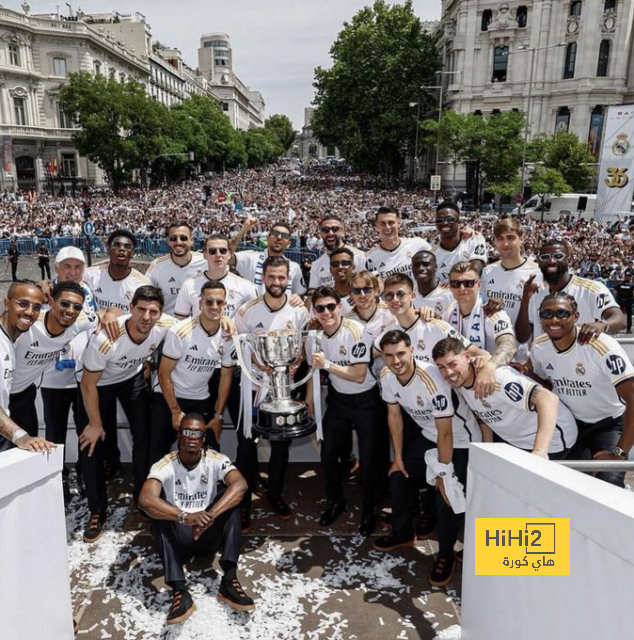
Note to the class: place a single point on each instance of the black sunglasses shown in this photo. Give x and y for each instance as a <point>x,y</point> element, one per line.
<point>359,290</point>
<point>390,295</point>
<point>223,251</point>
<point>181,238</point>
<point>560,314</point>
<point>446,220</point>
<point>280,234</point>
<point>341,263</point>
<point>456,284</point>
<point>330,229</point>
<point>212,302</point>
<point>25,304</point>
<point>67,304</point>
<point>320,308</point>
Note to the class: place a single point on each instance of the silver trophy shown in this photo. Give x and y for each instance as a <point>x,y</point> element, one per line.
<point>279,416</point>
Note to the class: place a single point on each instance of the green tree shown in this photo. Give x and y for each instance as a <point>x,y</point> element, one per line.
<point>493,143</point>
<point>282,127</point>
<point>381,59</point>
<point>262,146</point>
<point>120,127</point>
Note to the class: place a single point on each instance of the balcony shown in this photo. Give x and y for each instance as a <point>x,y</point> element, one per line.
<point>17,131</point>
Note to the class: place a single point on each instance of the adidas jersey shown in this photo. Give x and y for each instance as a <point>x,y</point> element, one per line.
<point>473,248</point>
<point>7,356</point>
<point>385,262</point>
<point>113,293</point>
<point>375,325</point>
<point>249,266</point>
<point>168,276</point>
<point>198,355</point>
<point>346,346</point>
<point>440,300</point>
<point>593,298</point>
<point>424,336</point>
<point>37,350</point>
<point>585,376</point>
<point>481,330</point>
<point>123,359</point>
<point>256,315</point>
<point>320,269</point>
<point>191,489</point>
<point>507,285</point>
<point>508,412</point>
<point>238,289</point>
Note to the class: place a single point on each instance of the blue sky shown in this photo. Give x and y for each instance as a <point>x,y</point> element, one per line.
<point>276,43</point>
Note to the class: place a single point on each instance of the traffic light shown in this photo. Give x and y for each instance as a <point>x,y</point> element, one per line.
<point>86,207</point>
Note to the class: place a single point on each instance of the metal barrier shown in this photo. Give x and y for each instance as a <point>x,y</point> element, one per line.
<point>597,465</point>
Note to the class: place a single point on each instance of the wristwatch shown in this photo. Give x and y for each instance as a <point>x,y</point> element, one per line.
<point>327,365</point>
<point>17,434</point>
<point>219,416</point>
<point>617,451</point>
<point>181,517</point>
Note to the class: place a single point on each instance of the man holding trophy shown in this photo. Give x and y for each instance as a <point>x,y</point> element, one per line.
<point>272,324</point>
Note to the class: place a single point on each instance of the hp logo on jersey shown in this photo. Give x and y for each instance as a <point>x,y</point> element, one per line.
<point>616,364</point>
<point>359,350</point>
<point>514,391</point>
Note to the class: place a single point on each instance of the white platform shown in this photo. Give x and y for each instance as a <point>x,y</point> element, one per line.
<point>35,601</point>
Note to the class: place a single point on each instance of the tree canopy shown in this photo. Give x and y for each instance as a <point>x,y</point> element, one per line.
<point>381,59</point>
<point>282,127</point>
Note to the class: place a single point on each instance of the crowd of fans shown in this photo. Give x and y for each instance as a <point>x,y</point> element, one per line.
<point>221,202</point>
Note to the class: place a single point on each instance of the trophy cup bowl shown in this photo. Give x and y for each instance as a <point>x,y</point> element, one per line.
<point>280,417</point>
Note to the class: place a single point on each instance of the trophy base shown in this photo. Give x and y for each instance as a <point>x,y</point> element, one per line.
<point>294,423</point>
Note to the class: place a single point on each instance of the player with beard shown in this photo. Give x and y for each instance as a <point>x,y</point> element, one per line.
<point>598,311</point>
<point>393,253</point>
<point>333,232</point>
<point>22,307</point>
<point>169,272</point>
<point>249,263</point>
<point>429,292</point>
<point>270,312</point>
<point>452,245</point>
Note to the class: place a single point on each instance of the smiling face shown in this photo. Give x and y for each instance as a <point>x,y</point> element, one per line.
<point>399,298</point>
<point>275,280</point>
<point>553,262</point>
<point>455,369</point>
<point>23,307</point>
<point>328,312</point>
<point>332,233</point>
<point>424,268</point>
<point>212,303</point>
<point>387,226</point>
<point>179,240</point>
<point>66,308</point>
<point>558,318</point>
<point>341,265</point>
<point>363,294</point>
<point>447,223</point>
<point>399,359</point>
<point>70,270</point>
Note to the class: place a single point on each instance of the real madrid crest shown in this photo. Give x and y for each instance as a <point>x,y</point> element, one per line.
<point>342,351</point>
<point>580,370</point>
<point>520,284</point>
<point>485,404</point>
<point>289,324</point>
<point>421,345</point>
<point>621,146</point>
<point>439,307</point>
<point>204,479</point>
<point>419,401</point>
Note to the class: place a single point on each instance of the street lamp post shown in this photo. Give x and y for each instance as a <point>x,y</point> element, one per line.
<point>447,73</point>
<point>529,100</point>
<point>415,172</point>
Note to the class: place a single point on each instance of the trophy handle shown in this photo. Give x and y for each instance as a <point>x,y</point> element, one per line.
<point>317,334</point>
<point>238,340</point>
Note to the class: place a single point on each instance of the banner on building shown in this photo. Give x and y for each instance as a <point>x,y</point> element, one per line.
<point>616,171</point>
<point>7,153</point>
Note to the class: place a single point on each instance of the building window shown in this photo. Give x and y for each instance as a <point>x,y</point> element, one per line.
<point>575,8</point>
<point>487,16</point>
<point>65,121</point>
<point>14,55</point>
<point>225,106</point>
<point>569,64</point>
<point>68,165</point>
<point>596,130</point>
<point>97,67</point>
<point>500,64</point>
<point>122,77</point>
<point>562,122</point>
<point>112,73</point>
<point>609,6</point>
<point>604,59</point>
<point>220,62</point>
<point>521,16</point>
<point>19,107</point>
<point>59,67</point>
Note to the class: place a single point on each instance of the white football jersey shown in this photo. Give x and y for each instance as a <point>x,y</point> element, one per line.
<point>440,300</point>
<point>7,357</point>
<point>481,330</point>
<point>585,376</point>
<point>348,345</point>
<point>198,355</point>
<point>238,291</point>
<point>113,293</point>
<point>376,324</point>
<point>168,276</point>
<point>249,266</point>
<point>37,350</point>
<point>473,248</point>
<point>508,412</point>
<point>507,285</point>
<point>256,315</point>
<point>399,260</point>
<point>194,489</point>
<point>592,296</point>
<point>123,359</point>
<point>320,275</point>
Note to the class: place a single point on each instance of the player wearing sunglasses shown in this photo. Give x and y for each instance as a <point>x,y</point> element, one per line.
<point>598,310</point>
<point>341,266</point>
<point>192,496</point>
<point>595,380</point>
<point>249,263</point>
<point>168,272</point>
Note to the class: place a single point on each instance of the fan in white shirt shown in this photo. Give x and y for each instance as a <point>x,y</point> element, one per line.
<point>169,272</point>
<point>393,253</point>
